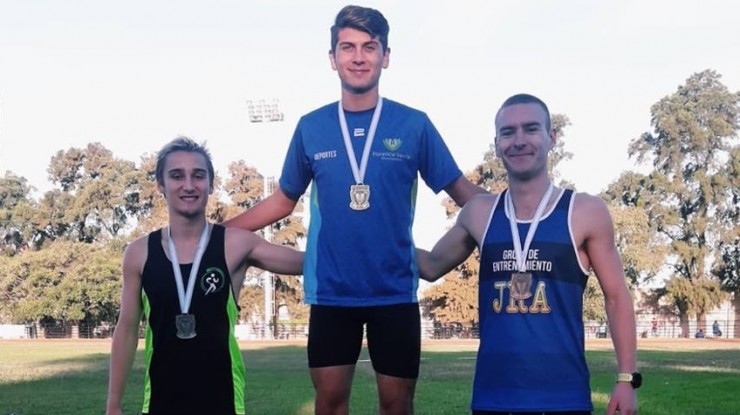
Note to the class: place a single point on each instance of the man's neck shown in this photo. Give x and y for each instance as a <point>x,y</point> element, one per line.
<point>186,229</point>
<point>360,102</point>
<point>526,195</point>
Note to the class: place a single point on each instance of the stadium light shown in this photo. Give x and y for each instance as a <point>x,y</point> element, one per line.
<point>260,111</point>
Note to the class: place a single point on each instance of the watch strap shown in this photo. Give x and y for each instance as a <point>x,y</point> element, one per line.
<point>624,377</point>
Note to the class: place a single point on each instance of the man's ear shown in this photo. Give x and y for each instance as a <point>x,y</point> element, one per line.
<point>332,60</point>
<point>553,139</point>
<point>495,146</point>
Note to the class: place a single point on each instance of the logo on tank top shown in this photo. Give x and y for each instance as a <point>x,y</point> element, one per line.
<point>212,281</point>
<point>519,288</point>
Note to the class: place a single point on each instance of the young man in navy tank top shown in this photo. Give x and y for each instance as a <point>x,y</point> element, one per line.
<point>193,361</point>
<point>537,244</point>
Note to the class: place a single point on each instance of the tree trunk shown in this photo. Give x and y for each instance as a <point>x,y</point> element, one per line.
<point>701,322</point>
<point>684,324</point>
<point>736,320</point>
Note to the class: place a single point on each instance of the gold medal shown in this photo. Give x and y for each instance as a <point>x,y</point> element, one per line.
<point>521,285</point>
<point>359,196</point>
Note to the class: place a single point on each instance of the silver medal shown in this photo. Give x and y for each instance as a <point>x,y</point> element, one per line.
<point>185,324</point>
<point>359,195</point>
<point>185,321</point>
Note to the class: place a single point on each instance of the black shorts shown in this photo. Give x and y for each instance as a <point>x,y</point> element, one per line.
<point>393,337</point>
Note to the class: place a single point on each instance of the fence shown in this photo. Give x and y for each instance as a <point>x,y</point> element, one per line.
<point>646,328</point>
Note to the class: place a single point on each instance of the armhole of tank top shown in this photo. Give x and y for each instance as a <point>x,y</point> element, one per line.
<point>153,247</point>
<point>571,204</point>
<point>219,232</point>
<point>555,204</point>
<point>487,228</point>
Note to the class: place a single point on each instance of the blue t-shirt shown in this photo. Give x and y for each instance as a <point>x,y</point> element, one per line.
<point>364,258</point>
<point>531,354</point>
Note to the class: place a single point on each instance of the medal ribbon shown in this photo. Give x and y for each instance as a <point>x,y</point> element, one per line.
<point>521,253</point>
<point>359,173</point>
<point>186,297</point>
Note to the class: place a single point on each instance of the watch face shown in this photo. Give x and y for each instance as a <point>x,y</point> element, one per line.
<point>636,381</point>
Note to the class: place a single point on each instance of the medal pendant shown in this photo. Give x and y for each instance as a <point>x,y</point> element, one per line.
<point>521,285</point>
<point>185,324</point>
<point>359,196</point>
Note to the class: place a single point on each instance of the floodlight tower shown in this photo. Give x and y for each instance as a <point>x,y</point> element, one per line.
<point>260,111</point>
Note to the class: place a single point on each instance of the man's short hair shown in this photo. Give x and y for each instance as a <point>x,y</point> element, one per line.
<point>527,99</point>
<point>186,144</point>
<point>364,19</point>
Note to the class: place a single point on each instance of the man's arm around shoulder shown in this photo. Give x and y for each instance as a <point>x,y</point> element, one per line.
<point>458,242</point>
<point>270,210</point>
<point>249,249</point>
<point>462,189</point>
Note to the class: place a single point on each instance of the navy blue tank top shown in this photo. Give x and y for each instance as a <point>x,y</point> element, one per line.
<point>531,353</point>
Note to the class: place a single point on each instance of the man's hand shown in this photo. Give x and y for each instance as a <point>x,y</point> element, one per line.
<point>623,400</point>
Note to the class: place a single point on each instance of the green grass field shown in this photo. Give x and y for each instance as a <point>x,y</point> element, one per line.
<point>68,377</point>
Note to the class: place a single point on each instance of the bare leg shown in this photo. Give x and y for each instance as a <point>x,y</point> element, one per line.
<point>332,385</point>
<point>396,395</point>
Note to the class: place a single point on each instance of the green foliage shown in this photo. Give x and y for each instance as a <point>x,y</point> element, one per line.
<point>690,195</point>
<point>69,281</point>
<point>642,254</point>
<point>455,299</point>
<point>16,213</point>
<point>694,297</point>
<point>593,301</point>
<point>97,198</point>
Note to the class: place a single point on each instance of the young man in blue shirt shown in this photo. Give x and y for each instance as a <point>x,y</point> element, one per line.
<point>362,156</point>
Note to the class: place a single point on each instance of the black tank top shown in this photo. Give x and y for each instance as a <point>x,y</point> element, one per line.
<point>205,374</point>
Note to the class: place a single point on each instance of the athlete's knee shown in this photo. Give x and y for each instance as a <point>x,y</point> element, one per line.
<point>397,405</point>
<point>396,395</point>
<point>331,403</point>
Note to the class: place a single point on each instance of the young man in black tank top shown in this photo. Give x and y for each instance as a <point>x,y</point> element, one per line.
<point>194,365</point>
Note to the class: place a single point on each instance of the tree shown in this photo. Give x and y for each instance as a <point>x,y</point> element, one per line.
<point>685,192</point>
<point>639,247</point>
<point>68,281</point>
<point>16,214</point>
<point>455,299</point>
<point>727,268</point>
<point>96,198</point>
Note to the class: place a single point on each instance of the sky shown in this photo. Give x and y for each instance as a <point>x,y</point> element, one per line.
<point>133,75</point>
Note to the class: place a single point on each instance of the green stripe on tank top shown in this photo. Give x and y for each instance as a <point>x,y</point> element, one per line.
<point>148,349</point>
<point>238,370</point>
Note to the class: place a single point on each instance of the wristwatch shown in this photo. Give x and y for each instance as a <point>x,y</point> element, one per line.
<point>634,378</point>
